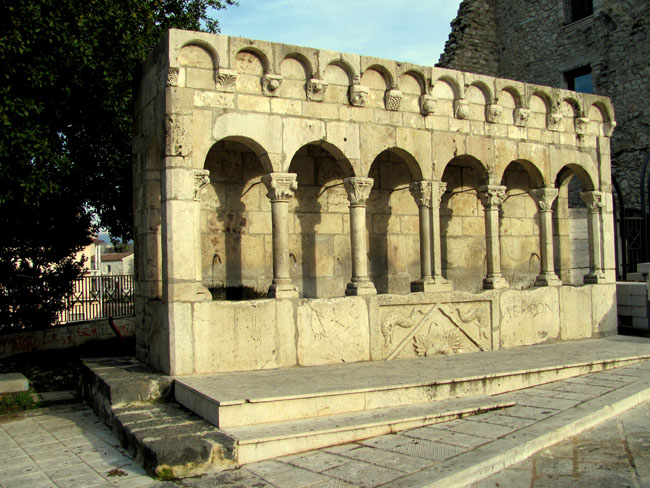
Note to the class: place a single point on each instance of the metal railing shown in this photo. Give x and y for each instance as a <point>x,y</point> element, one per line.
<point>99,297</point>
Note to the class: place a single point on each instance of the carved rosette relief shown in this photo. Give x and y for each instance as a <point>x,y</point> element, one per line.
<point>553,120</point>
<point>358,95</point>
<point>544,198</point>
<point>271,85</point>
<point>492,195</point>
<point>435,329</point>
<point>201,178</point>
<point>280,186</point>
<point>461,109</point>
<point>593,200</point>
<point>358,190</point>
<point>427,105</point>
<point>421,191</point>
<point>172,76</point>
<point>227,80</point>
<point>521,116</point>
<point>393,100</point>
<point>581,125</point>
<point>316,90</point>
<point>492,113</point>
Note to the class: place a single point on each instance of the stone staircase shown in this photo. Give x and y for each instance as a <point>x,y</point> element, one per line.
<point>271,413</point>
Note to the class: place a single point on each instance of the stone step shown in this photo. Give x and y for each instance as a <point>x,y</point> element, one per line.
<point>259,397</point>
<point>265,441</point>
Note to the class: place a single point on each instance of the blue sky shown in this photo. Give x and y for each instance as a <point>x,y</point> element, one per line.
<point>403,30</point>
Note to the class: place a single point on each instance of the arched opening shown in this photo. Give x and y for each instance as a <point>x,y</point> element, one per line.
<point>520,225</point>
<point>236,238</point>
<point>462,224</point>
<point>319,236</point>
<point>571,226</point>
<point>393,224</point>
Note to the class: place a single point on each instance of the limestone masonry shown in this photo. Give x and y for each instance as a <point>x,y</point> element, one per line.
<point>539,41</point>
<point>388,210</point>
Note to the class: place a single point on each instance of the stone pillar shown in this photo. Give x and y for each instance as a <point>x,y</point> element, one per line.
<point>594,202</point>
<point>281,187</point>
<point>545,198</point>
<point>358,190</point>
<point>437,194</point>
<point>492,197</point>
<point>421,191</point>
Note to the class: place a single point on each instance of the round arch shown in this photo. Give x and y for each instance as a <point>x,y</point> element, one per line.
<point>536,177</point>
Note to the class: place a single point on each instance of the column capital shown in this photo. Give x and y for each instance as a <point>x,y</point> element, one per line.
<point>280,186</point>
<point>421,191</point>
<point>358,189</point>
<point>492,195</point>
<point>442,188</point>
<point>201,178</point>
<point>592,199</point>
<point>544,198</point>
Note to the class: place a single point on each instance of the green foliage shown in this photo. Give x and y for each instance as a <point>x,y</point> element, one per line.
<point>17,402</point>
<point>65,134</point>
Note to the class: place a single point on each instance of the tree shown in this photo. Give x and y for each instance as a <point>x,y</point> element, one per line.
<point>65,135</point>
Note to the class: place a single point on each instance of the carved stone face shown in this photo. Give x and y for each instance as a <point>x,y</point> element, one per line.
<point>359,99</point>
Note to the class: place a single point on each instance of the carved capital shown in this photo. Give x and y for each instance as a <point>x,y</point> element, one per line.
<point>172,76</point>
<point>544,198</point>
<point>316,90</point>
<point>608,128</point>
<point>442,188</point>
<point>358,95</point>
<point>271,84</point>
<point>492,113</point>
<point>492,195</point>
<point>280,186</point>
<point>521,116</point>
<point>581,125</point>
<point>201,178</point>
<point>427,104</point>
<point>227,80</point>
<point>553,120</point>
<point>461,109</point>
<point>593,200</point>
<point>358,189</point>
<point>393,99</point>
<point>421,191</point>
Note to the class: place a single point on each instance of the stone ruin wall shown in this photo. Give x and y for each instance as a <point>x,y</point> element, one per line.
<point>531,41</point>
<point>230,130</point>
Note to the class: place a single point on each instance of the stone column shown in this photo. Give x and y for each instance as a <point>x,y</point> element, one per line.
<point>281,187</point>
<point>545,198</point>
<point>358,190</point>
<point>492,197</point>
<point>437,194</point>
<point>421,191</point>
<point>594,202</point>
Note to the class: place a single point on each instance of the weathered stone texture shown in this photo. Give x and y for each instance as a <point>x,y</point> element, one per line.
<point>533,42</point>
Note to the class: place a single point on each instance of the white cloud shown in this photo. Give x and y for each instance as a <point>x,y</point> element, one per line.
<point>412,31</point>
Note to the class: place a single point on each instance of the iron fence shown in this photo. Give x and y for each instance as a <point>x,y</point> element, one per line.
<point>99,297</point>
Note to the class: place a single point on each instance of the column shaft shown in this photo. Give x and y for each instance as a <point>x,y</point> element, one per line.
<point>594,202</point>
<point>492,197</point>
<point>545,198</point>
<point>358,190</point>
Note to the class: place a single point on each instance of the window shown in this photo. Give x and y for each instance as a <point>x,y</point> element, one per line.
<point>579,80</point>
<point>578,9</point>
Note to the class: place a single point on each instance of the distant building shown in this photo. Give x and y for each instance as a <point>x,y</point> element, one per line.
<point>598,46</point>
<point>92,253</point>
<point>120,263</point>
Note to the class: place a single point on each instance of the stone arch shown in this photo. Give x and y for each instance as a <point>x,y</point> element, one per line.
<point>353,75</point>
<point>418,76</point>
<point>576,103</point>
<point>198,66</point>
<point>540,105</point>
<point>534,173</point>
<point>509,101</point>
<point>571,243</point>
<point>319,242</point>
<point>412,86</point>
<point>389,79</point>
<point>205,46</point>
<point>295,72</point>
<point>519,224</point>
<point>453,83</point>
<point>377,80</point>
<point>488,93</point>
<point>462,224</point>
<point>236,236</point>
<point>515,93</point>
<point>478,98</point>
<point>393,224</point>
<point>468,160</point>
<point>444,91</point>
<point>251,66</point>
<point>304,60</point>
<point>259,54</point>
<point>339,77</point>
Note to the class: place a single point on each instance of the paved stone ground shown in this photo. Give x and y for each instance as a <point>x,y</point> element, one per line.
<point>67,446</point>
